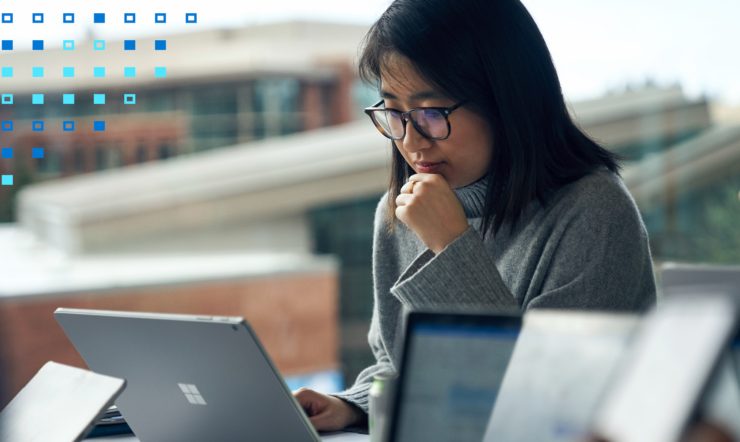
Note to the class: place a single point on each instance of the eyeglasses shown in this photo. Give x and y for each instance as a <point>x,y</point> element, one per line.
<point>430,122</point>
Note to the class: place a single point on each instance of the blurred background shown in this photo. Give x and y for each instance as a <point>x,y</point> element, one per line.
<point>244,178</point>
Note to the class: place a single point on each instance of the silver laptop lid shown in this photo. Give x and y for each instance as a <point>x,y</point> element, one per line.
<point>189,377</point>
<point>60,404</point>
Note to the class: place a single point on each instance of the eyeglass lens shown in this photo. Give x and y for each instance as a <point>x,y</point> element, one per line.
<point>430,122</point>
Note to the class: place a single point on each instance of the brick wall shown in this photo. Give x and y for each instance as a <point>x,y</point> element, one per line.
<point>295,317</point>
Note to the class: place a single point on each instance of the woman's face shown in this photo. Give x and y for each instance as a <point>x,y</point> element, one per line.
<point>463,157</point>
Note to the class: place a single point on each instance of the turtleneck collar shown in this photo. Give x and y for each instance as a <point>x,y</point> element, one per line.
<point>473,197</point>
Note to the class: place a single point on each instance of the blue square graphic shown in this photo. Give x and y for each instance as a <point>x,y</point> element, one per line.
<point>98,126</point>
<point>68,45</point>
<point>68,98</point>
<point>191,18</point>
<point>7,180</point>
<point>37,126</point>
<point>38,45</point>
<point>7,152</point>
<point>7,17</point>
<point>7,45</point>
<point>68,72</point>
<point>68,126</point>
<point>99,72</point>
<point>38,18</point>
<point>129,45</point>
<point>129,98</point>
<point>99,45</point>
<point>98,18</point>
<point>6,125</point>
<point>160,45</point>
<point>37,152</point>
<point>129,18</point>
<point>38,72</point>
<point>160,72</point>
<point>7,72</point>
<point>98,98</point>
<point>7,99</point>
<point>160,18</point>
<point>68,17</point>
<point>37,99</point>
<point>129,72</point>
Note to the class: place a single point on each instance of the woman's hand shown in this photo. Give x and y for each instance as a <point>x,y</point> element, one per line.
<point>328,413</point>
<point>432,211</point>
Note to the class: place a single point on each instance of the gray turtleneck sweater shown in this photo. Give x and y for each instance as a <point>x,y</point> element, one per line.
<point>587,249</point>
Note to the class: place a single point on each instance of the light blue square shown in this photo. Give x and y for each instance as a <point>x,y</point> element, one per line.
<point>6,99</point>
<point>38,72</point>
<point>68,98</point>
<point>68,45</point>
<point>68,72</point>
<point>160,72</point>
<point>37,152</point>
<point>7,180</point>
<point>99,72</point>
<point>37,99</point>
<point>99,45</point>
<point>98,98</point>
<point>129,98</point>
<point>129,72</point>
<point>8,72</point>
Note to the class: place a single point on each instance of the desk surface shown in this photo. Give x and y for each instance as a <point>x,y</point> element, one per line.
<point>337,436</point>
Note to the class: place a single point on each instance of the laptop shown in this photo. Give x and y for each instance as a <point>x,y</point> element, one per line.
<point>722,401</point>
<point>189,377</point>
<point>451,372</point>
<point>60,404</point>
<point>562,363</point>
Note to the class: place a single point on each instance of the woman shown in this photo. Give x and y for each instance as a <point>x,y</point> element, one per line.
<point>503,202</point>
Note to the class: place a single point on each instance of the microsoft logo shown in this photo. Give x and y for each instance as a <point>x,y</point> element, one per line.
<point>192,394</point>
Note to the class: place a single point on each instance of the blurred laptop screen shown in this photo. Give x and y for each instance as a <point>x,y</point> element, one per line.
<point>451,379</point>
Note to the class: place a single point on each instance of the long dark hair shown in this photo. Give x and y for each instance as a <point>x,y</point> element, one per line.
<point>490,53</point>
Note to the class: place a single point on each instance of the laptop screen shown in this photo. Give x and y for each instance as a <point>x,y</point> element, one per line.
<point>453,368</point>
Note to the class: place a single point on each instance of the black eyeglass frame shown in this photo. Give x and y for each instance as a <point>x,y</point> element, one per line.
<point>405,116</point>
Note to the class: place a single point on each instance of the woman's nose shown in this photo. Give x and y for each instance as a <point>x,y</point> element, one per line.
<point>413,141</point>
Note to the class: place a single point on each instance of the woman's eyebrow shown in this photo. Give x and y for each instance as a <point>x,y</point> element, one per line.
<point>416,96</point>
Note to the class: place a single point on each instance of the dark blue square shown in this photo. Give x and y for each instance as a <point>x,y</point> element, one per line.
<point>7,17</point>
<point>37,152</point>
<point>37,126</point>
<point>99,126</point>
<point>38,45</point>
<point>6,125</point>
<point>37,17</point>
<point>160,45</point>
<point>98,18</point>
<point>129,45</point>
<point>129,18</point>
<point>68,17</point>
<point>191,18</point>
<point>7,152</point>
<point>160,17</point>
<point>68,126</point>
<point>7,45</point>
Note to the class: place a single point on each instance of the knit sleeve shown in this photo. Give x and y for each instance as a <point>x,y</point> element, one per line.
<point>461,277</point>
<point>357,394</point>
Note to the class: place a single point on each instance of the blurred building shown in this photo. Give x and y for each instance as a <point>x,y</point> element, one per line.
<point>273,188</point>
